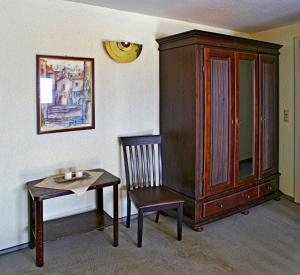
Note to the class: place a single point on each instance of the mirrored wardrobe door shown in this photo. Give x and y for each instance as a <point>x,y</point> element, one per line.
<point>246,149</point>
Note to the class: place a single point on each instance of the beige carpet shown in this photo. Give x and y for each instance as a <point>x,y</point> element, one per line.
<point>267,241</point>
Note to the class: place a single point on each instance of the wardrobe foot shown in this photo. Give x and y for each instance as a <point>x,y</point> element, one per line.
<point>245,212</point>
<point>198,229</point>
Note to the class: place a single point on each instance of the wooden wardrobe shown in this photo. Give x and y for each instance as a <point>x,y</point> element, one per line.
<point>219,122</point>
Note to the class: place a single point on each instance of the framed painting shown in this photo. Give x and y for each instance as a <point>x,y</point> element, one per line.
<point>65,94</point>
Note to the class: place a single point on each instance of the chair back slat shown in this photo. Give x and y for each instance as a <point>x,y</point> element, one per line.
<point>159,164</point>
<point>143,164</point>
<point>153,165</point>
<point>133,178</point>
<point>137,165</point>
<point>148,166</point>
<point>144,181</point>
<point>126,166</point>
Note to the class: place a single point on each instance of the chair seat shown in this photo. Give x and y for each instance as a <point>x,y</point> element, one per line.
<point>153,196</point>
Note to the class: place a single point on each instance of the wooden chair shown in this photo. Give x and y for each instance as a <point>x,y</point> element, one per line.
<point>143,168</point>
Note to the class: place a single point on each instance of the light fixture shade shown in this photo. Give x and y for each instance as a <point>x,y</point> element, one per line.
<point>123,52</point>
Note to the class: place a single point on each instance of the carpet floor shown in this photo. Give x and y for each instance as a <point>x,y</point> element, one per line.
<point>267,241</point>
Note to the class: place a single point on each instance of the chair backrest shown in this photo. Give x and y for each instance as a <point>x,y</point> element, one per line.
<point>142,159</point>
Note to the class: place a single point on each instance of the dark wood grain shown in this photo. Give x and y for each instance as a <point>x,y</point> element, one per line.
<point>179,221</point>
<point>199,123</point>
<point>139,165</point>
<point>100,199</point>
<point>140,227</point>
<point>197,37</point>
<point>38,193</point>
<point>153,164</point>
<point>218,206</point>
<point>31,222</point>
<point>83,222</point>
<point>248,195</point>
<point>219,127</point>
<point>147,194</point>
<point>200,116</point>
<point>197,222</point>
<point>128,212</point>
<point>268,115</point>
<point>220,121</point>
<point>116,216</point>
<point>39,235</point>
<point>268,187</point>
<point>179,92</point>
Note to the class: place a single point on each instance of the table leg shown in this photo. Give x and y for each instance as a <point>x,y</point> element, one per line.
<point>100,203</point>
<point>31,221</point>
<point>39,233</point>
<point>100,199</point>
<point>116,215</point>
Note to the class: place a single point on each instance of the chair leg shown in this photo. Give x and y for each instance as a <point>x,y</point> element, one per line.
<point>128,212</point>
<point>157,217</point>
<point>140,228</point>
<point>179,221</point>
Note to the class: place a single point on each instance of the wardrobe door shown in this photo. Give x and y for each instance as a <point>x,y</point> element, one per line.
<point>268,115</point>
<point>246,114</point>
<point>219,121</point>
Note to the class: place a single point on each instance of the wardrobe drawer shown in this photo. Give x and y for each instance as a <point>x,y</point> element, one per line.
<point>268,187</point>
<point>248,195</point>
<point>215,207</point>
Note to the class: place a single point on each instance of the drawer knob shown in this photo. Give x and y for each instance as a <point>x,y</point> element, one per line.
<point>270,187</point>
<point>248,197</point>
<point>221,205</point>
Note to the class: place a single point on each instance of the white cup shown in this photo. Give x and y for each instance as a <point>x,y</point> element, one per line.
<point>68,175</point>
<point>79,174</point>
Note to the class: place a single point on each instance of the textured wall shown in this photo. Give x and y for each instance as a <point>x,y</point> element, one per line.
<point>126,99</point>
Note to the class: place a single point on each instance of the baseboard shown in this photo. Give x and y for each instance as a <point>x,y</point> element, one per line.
<point>13,248</point>
<point>132,217</point>
<point>289,198</point>
<point>26,245</point>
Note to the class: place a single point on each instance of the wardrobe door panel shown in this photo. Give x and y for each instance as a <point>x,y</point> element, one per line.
<point>219,128</point>
<point>246,108</point>
<point>268,115</point>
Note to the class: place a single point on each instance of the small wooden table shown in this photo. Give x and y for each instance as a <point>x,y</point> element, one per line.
<point>41,231</point>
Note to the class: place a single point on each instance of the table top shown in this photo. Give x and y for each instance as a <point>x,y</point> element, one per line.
<point>38,193</point>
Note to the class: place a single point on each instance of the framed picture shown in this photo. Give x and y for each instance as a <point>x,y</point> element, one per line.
<point>65,94</point>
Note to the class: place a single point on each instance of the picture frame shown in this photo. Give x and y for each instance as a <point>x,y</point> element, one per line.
<point>65,93</point>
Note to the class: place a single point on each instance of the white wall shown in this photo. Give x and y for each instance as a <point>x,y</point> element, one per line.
<point>285,36</point>
<point>126,99</point>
